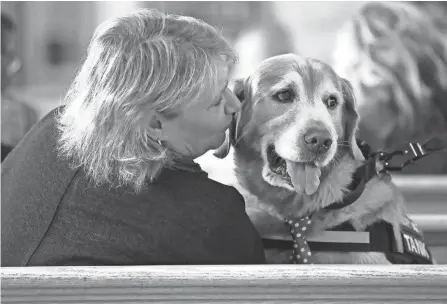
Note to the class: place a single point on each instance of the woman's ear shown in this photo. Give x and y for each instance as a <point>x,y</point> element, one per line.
<point>232,134</point>
<point>350,119</point>
<point>155,129</point>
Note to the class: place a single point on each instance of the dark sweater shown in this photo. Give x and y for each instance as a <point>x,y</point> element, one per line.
<point>51,215</point>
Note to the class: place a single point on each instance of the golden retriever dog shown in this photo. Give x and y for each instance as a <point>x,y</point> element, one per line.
<point>295,154</point>
<point>395,54</point>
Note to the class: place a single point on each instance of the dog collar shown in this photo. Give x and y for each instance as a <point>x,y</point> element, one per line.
<point>378,237</point>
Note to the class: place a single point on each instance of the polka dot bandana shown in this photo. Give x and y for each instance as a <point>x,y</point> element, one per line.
<point>301,250</point>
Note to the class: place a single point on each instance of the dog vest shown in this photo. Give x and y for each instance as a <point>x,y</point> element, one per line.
<point>378,237</point>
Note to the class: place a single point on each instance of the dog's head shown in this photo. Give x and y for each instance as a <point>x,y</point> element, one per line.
<point>298,117</point>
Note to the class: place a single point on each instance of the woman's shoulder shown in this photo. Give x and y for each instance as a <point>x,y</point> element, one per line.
<point>199,185</point>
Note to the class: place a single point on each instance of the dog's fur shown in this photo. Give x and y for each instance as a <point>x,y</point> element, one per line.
<point>264,120</point>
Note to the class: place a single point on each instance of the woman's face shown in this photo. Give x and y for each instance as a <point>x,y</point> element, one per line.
<point>200,126</point>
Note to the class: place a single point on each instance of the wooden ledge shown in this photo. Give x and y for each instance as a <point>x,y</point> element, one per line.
<point>430,222</point>
<point>421,183</point>
<point>226,284</point>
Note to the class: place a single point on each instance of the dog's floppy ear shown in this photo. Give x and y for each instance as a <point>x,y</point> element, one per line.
<point>232,135</point>
<point>350,119</point>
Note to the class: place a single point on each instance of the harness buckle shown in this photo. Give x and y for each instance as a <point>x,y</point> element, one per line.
<point>414,151</point>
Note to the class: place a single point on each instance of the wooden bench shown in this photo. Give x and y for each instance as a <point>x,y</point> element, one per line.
<point>226,284</point>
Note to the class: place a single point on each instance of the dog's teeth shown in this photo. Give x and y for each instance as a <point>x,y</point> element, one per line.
<point>281,170</point>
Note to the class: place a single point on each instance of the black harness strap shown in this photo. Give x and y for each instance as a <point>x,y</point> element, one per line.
<point>361,176</point>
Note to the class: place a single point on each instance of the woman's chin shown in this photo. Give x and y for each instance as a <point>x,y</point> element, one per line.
<point>217,142</point>
<point>220,140</point>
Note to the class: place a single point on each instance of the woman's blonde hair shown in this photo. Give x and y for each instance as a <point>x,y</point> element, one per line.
<point>402,48</point>
<point>137,64</point>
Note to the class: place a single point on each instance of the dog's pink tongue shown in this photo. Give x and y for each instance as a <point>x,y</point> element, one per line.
<point>304,177</point>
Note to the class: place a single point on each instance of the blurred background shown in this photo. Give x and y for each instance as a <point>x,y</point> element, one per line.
<point>52,36</point>
<point>396,104</point>
<point>394,54</point>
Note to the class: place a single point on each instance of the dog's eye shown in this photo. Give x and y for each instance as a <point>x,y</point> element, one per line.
<point>284,96</point>
<point>332,102</point>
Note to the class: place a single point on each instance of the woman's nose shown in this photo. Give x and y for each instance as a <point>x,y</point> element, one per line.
<point>232,103</point>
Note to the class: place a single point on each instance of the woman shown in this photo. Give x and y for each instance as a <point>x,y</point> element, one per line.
<point>395,55</point>
<point>109,178</point>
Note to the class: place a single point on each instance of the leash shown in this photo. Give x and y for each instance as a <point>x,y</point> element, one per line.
<point>369,170</point>
<point>381,234</point>
<point>414,152</point>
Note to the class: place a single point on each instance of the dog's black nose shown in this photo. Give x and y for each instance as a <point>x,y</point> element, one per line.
<point>317,140</point>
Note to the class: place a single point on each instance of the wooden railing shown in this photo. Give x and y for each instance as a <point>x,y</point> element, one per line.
<point>424,194</point>
<point>226,284</point>
<point>426,199</point>
<point>427,205</point>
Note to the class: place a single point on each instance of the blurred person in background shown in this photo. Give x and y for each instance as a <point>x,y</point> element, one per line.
<point>109,178</point>
<point>17,117</point>
<point>262,37</point>
<point>395,55</point>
